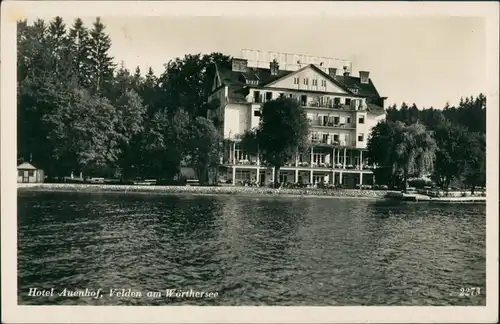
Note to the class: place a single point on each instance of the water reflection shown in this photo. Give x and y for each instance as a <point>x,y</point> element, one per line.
<point>253,251</point>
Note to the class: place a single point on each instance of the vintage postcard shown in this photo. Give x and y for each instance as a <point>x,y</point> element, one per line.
<point>236,162</point>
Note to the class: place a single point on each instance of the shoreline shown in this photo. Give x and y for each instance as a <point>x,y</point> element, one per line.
<point>258,192</point>
<point>204,191</point>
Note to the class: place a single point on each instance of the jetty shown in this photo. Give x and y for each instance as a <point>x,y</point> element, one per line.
<point>419,197</point>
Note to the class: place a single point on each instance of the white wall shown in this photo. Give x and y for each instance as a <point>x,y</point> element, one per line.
<point>236,119</point>
<point>254,120</point>
<point>371,121</point>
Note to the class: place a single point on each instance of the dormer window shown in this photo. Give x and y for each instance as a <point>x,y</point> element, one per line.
<point>353,90</point>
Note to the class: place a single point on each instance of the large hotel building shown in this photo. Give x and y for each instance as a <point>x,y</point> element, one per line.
<point>342,109</point>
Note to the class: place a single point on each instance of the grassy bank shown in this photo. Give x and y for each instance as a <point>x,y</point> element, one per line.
<point>225,190</point>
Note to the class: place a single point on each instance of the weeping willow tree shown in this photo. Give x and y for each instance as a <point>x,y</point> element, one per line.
<point>413,151</point>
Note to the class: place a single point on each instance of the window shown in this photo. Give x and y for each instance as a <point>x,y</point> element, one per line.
<point>303,100</point>
<point>283,177</point>
<point>315,82</point>
<point>257,113</point>
<point>319,158</point>
<point>348,120</point>
<point>323,83</point>
<point>336,100</point>
<point>325,138</point>
<point>361,137</point>
<point>269,96</point>
<point>325,120</point>
<point>336,120</point>
<point>306,81</point>
<point>20,173</point>
<point>336,137</point>
<point>347,101</point>
<point>361,119</point>
<point>282,95</point>
<point>315,136</point>
<point>256,96</point>
<point>296,80</point>
<point>31,173</point>
<point>290,95</point>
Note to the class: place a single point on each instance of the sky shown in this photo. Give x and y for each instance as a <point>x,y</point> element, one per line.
<point>427,61</point>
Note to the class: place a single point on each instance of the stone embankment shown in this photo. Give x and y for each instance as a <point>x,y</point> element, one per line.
<point>225,190</point>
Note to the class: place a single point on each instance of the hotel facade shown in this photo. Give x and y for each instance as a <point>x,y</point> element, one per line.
<point>342,110</point>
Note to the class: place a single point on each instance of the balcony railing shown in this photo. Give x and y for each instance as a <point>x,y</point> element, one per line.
<point>332,142</point>
<point>339,106</point>
<point>321,123</point>
<point>314,103</point>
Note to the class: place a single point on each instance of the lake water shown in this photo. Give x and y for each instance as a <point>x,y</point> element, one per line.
<point>250,251</point>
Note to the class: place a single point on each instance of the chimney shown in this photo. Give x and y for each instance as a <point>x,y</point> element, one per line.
<point>364,76</point>
<point>346,71</point>
<point>274,67</point>
<point>239,65</point>
<point>332,72</point>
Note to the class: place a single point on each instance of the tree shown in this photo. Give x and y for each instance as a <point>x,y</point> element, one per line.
<point>101,62</point>
<point>165,144</point>
<point>59,47</point>
<point>381,152</point>
<point>407,150</point>
<point>186,83</point>
<point>278,147</point>
<point>150,92</point>
<point>475,167</point>
<point>82,129</point>
<point>81,50</point>
<point>450,161</point>
<point>202,146</point>
<point>131,115</point>
<point>414,151</point>
<point>250,141</point>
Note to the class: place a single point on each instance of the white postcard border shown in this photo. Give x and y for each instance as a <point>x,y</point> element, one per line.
<point>12,313</point>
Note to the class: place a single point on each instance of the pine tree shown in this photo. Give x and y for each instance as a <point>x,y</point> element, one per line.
<point>149,91</point>
<point>137,80</point>
<point>80,48</point>
<point>101,62</point>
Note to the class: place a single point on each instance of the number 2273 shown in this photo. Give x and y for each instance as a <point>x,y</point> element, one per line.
<point>468,292</point>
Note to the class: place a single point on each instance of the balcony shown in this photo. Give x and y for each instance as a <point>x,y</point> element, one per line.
<point>331,105</point>
<point>331,142</point>
<point>331,124</point>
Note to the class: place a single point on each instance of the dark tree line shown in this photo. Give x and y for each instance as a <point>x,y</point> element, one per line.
<point>78,111</point>
<point>455,149</point>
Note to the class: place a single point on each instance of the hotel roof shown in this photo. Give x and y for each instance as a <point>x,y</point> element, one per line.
<point>260,77</point>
